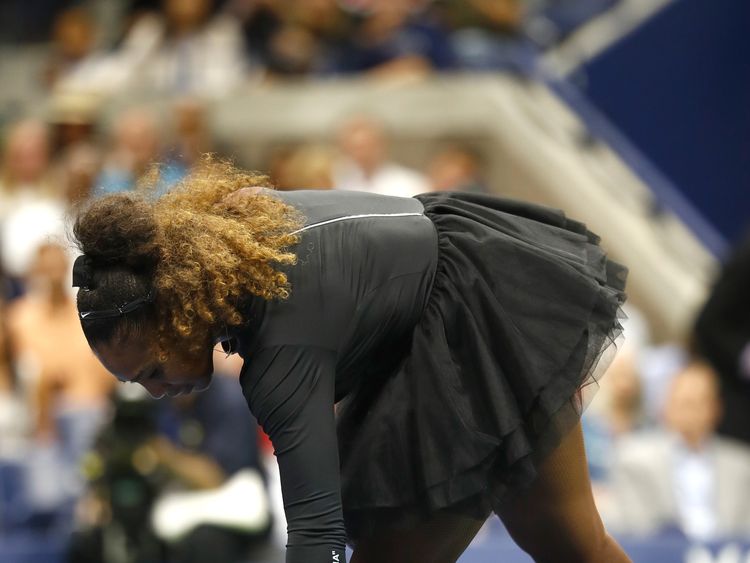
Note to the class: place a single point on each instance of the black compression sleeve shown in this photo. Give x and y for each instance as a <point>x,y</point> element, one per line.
<point>290,391</point>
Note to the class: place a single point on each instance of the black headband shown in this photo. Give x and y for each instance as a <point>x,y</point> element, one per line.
<point>83,277</point>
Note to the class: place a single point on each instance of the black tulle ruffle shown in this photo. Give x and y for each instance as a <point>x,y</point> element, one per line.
<point>520,323</point>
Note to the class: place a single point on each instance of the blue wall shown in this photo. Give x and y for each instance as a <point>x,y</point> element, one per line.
<point>679,89</point>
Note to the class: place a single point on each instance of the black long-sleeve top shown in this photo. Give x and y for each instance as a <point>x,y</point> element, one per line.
<point>365,266</point>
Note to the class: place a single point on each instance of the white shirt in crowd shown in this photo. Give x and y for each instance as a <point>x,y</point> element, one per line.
<point>695,491</point>
<point>26,222</point>
<point>390,179</point>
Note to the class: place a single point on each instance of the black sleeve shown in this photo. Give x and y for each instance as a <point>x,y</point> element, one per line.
<point>290,390</point>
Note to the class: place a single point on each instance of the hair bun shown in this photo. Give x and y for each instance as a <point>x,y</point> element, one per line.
<point>118,229</point>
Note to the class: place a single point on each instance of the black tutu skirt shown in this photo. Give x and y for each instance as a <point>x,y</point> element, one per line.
<point>520,322</point>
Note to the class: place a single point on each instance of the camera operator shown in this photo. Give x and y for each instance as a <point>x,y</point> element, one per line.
<point>193,482</point>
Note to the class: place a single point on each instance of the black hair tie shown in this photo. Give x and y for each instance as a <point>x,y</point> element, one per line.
<point>83,277</point>
<point>83,272</point>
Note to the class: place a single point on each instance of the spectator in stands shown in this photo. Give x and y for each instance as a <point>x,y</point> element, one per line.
<point>684,476</point>
<point>309,167</point>
<point>73,119</point>
<point>486,34</point>
<point>31,206</point>
<point>292,38</point>
<point>456,168</point>
<point>494,15</point>
<point>617,409</point>
<point>68,389</point>
<point>329,25</point>
<point>616,413</point>
<point>187,51</point>
<point>137,144</point>
<point>280,43</point>
<point>394,39</point>
<point>657,366</point>
<point>192,137</point>
<point>364,163</point>
<point>201,454</point>
<point>78,168</point>
<point>216,428</point>
<point>73,41</point>
<point>277,164</point>
<point>78,68</point>
<point>292,50</point>
<point>25,172</point>
<point>78,156</point>
<point>13,411</point>
<point>261,20</point>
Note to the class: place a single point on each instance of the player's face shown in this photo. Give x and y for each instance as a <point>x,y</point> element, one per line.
<point>136,361</point>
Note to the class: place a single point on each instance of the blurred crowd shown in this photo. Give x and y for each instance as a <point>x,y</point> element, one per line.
<point>207,47</point>
<point>668,437</point>
<point>667,434</point>
<point>116,475</point>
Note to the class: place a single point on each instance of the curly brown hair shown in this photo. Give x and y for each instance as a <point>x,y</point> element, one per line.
<point>201,251</point>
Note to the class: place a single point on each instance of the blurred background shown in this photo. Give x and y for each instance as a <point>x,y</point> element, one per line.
<point>632,115</point>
